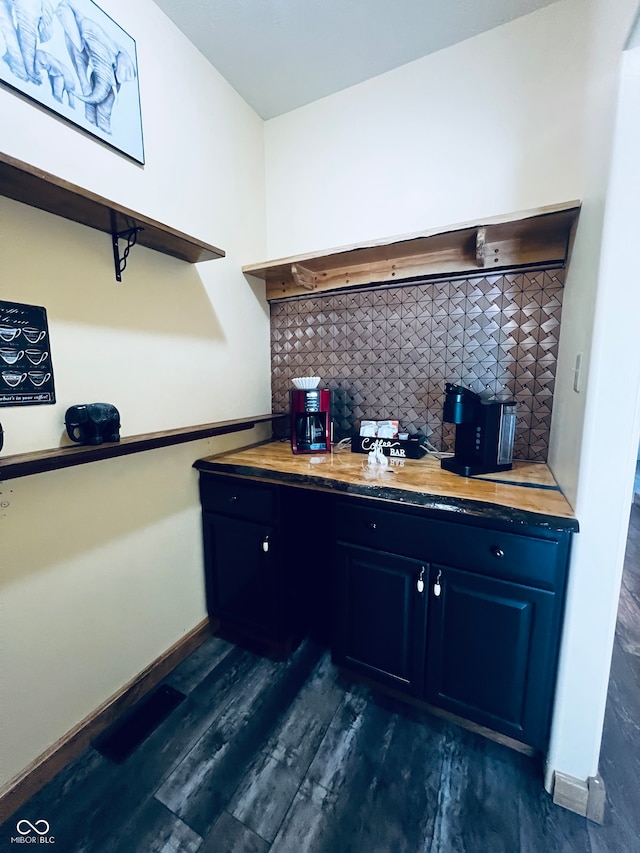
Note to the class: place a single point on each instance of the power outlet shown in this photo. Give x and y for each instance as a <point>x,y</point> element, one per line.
<point>577,373</point>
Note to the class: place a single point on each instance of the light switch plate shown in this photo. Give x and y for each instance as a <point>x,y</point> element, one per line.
<point>576,373</point>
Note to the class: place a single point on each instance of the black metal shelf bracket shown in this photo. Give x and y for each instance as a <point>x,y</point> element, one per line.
<point>131,236</point>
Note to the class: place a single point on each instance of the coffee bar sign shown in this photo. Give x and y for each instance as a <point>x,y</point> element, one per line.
<point>398,448</point>
<point>26,371</point>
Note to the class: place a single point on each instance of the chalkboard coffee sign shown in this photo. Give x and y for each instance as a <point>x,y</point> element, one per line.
<point>26,370</point>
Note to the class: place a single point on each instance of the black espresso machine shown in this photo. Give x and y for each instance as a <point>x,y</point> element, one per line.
<point>484,432</point>
<point>310,420</point>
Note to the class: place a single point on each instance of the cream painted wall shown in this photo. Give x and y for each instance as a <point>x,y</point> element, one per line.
<point>488,126</point>
<point>607,452</point>
<point>101,565</point>
<point>515,118</point>
<point>91,555</point>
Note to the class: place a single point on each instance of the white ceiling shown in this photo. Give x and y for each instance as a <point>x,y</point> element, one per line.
<point>282,54</point>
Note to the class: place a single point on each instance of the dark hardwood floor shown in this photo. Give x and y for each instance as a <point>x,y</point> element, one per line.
<point>291,757</point>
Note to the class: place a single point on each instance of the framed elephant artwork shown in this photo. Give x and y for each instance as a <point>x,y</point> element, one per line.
<point>72,58</point>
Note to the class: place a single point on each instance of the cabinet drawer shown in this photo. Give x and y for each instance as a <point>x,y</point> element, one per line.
<point>531,560</point>
<point>527,560</point>
<point>363,523</point>
<point>238,498</point>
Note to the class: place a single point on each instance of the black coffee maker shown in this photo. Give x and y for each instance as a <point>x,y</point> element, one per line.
<point>485,431</point>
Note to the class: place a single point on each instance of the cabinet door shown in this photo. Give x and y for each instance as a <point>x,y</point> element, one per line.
<point>491,652</point>
<point>381,616</point>
<point>242,573</point>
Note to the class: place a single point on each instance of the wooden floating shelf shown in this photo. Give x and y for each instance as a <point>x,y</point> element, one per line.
<point>24,464</point>
<point>40,189</point>
<point>528,238</point>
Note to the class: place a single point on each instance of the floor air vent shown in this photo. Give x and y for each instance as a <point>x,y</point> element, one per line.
<point>118,742</point>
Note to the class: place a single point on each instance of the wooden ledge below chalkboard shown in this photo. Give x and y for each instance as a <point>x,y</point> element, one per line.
<point>38,461</point>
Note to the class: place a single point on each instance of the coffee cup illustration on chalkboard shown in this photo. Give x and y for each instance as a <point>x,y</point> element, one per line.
<point>38,377</point>
<point>8,333</point>
<point>33,336</point>
<point>35,356</point>
<point>13,378</point>
<point>10,354</point>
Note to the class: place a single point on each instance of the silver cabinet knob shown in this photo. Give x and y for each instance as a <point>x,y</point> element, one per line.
<point>497,552</point>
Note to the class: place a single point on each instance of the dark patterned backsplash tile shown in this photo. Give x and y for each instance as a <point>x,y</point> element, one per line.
<point>386,352</point>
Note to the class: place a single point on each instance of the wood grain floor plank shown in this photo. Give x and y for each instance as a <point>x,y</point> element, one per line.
<point>192,671</point>
<point>230,836</point>
<point>620,758</point>
<point>372,785</point>
<point>628,621</point>
<point>264,796</point>
<point>72,803</point>
<point>153,829</point>
<point>475,812</point>
<point>200,787</point>
<point>187,779</point>
<point>295,741</point>
<point>492,799</point>
<point>545,826</point>
<point>273,778</point>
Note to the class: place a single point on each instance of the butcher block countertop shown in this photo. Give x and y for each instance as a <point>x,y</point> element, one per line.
<point>526,495</point>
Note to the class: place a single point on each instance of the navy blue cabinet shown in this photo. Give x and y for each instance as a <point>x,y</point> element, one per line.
<point>381,616</point>
<point>243,581</point>
<point>242,553</point>
<point>266,577</point>
<point>462,616</point>
<point>491,652</point>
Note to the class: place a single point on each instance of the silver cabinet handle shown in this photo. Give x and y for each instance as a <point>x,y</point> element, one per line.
<point>265,544</point>
<point>497,552</point>
<point>372,525</point>
<point>420,582</point>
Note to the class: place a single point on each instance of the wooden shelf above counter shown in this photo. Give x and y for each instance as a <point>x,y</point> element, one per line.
<point>525,239</point>
<point>40,189</point>
<point>36,462</point>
